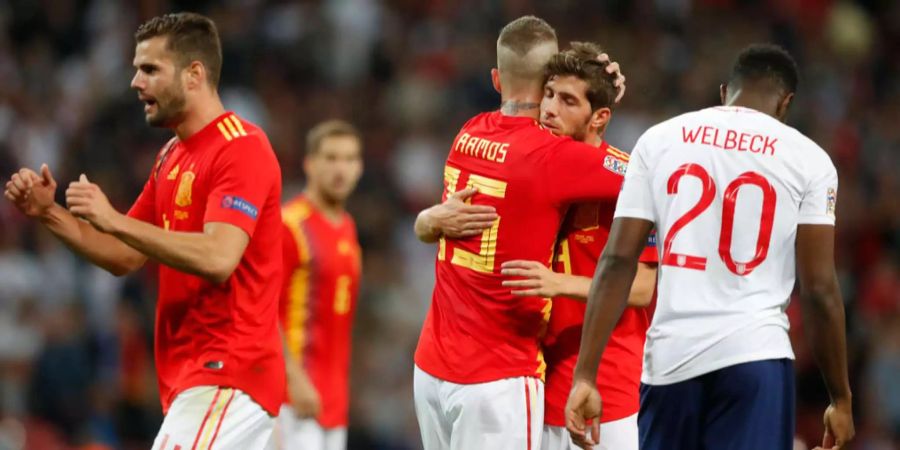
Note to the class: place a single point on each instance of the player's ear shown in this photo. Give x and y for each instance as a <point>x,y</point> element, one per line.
<point>600,118</point>
<point>495,79</point>
<point>195,74</point>
<point>723,92</point>
<point>782,109</point>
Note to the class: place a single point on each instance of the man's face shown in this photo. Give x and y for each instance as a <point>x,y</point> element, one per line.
<point>565,109</point>
<point>158,83</point>
<point>336,167</point>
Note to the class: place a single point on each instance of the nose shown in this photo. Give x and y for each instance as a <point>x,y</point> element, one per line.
<point>137,81</point>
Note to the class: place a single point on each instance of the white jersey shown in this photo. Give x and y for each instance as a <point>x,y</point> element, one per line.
<point>726,188</point>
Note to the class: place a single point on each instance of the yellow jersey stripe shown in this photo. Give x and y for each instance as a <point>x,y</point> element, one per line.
<point>618,153</point>
<point>231,128</point>
<point>298,293</point>
<point>237,123</point>
<point>224,132</point>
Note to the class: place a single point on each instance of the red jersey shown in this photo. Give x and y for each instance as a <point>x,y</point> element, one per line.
<point>318,301</point>
<point>476,331</point>
<point>219,334</point>
<point>584,234</point>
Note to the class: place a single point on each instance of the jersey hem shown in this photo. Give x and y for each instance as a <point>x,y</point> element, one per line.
<point>815,220</point>
<point>490,378</point>
<point>633,214</point>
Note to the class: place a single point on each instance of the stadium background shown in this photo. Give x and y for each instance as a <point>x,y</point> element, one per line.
<point>76,365</point>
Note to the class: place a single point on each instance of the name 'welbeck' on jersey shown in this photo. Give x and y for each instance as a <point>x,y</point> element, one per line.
<point>731,140</point>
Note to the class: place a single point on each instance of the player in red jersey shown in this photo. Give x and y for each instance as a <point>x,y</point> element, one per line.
<point>479,368</point>
<point>577,101</point>
<point>209,213</point>
<point>321,286</point>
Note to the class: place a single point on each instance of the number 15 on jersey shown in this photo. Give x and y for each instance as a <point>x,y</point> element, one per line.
<point>483,260</point>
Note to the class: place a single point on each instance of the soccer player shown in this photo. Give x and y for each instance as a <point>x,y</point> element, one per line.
<point>739,200</point>
<point>578,96</point>
<point>479,368</point>
<point>209,213</point>
<point>318,301</point>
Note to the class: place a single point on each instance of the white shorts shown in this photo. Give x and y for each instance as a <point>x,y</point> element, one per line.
<point>499,415</point>
<point>619,434</point>
<point>292,433</point>
<point>212,417</point>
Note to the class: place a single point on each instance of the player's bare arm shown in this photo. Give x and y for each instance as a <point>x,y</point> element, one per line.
<point>454,218</point>
<point>606,300</point>
<point>212,254</point>
<point>34,194</point>
<point>302,394</point>
<point>540,281</point>
<point>823,318</point>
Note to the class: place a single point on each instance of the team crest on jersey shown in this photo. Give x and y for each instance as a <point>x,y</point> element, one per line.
<point>183,194</point>
<point>831,201</point>
<point>615,165</point>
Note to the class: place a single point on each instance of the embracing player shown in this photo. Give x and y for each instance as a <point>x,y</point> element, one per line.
<point>578,97</point>
<point>739,200</point>
<point>479,368</point>
<point>321,287</point>
<point>209,213</point>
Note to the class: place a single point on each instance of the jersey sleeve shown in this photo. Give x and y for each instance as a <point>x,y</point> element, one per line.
<point>817,207</point>
<point>578,172</point>
<point>144,207</point>
<point>242,179</point>
<point>636,198</point>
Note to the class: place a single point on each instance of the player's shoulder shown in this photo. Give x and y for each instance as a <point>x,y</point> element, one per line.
<point>811,151</point>
<point>296,210</point>
<point>239,132</point>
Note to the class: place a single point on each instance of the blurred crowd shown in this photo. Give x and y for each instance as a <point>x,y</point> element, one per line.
<point>76,357</point>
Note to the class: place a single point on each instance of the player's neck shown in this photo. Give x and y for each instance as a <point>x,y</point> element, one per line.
<point>199,116</point>
<point>521,105</point>
<point>332,210</point>
<point>594,139</point>
<point>746,99</point>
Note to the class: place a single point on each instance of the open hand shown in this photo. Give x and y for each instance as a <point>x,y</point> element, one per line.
<point>539,280</point>
<point>456,218</point>
<point>613,68</point>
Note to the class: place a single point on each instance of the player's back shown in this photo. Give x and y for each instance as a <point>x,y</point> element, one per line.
<point>727,188</point>
<point>476,331</point>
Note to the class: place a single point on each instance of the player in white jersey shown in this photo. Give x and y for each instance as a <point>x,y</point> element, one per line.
<point>739,199</point>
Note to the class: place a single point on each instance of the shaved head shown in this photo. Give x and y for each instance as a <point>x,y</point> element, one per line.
<point>523,49</point>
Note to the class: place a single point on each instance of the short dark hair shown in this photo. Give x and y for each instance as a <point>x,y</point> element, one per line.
<point>327,129</point>
<point>191,36</point>
<point>580,61</point>
<point>765,62</point>
<point>524,33</point>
